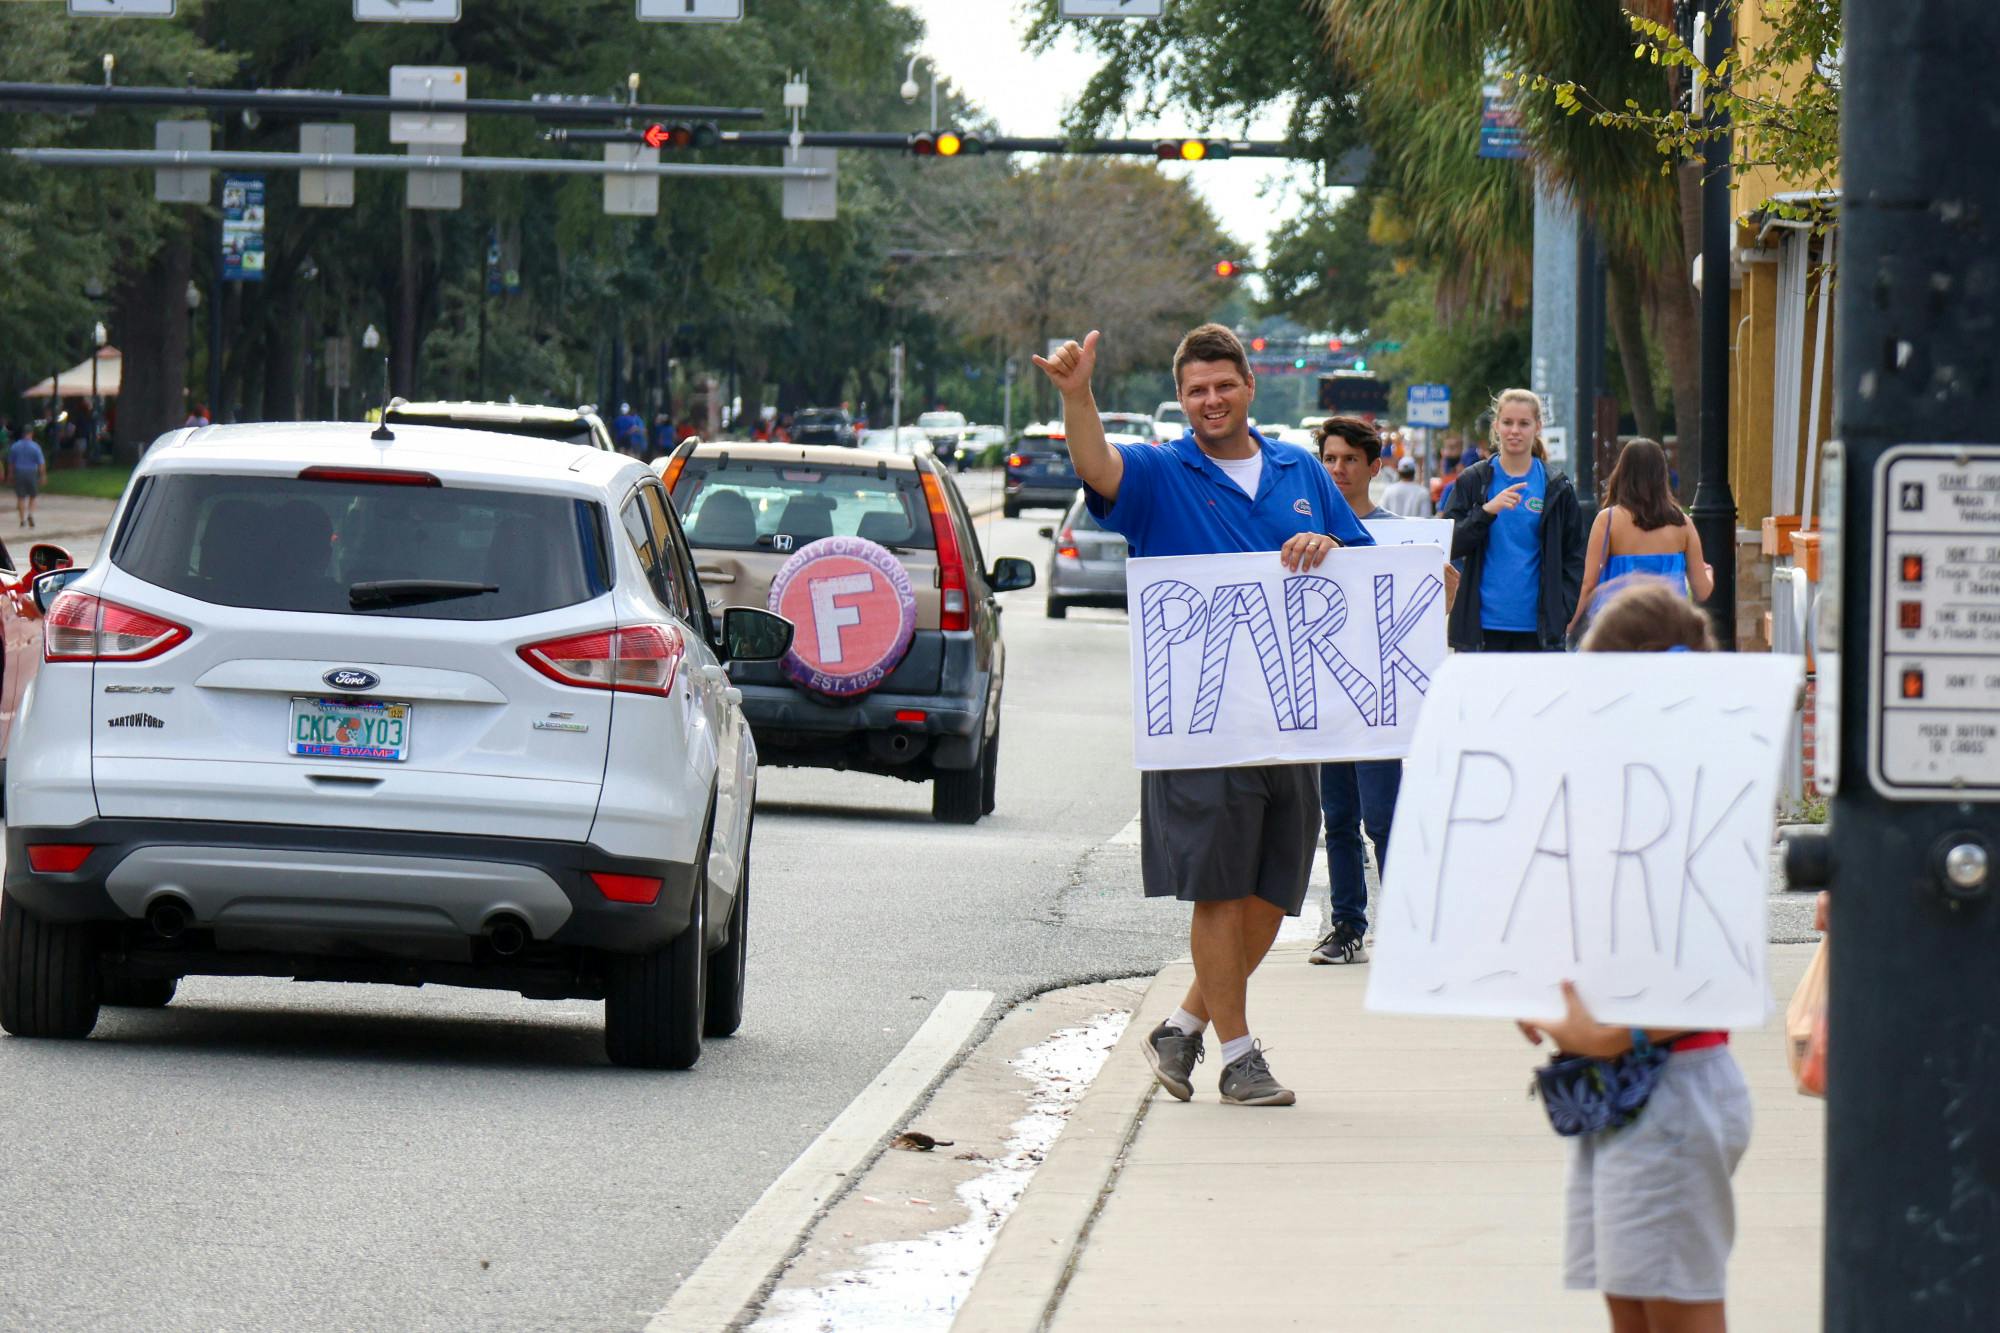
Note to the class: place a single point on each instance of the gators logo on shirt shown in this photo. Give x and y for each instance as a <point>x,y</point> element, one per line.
<point>1303,506</point>
<point>1535,505</point>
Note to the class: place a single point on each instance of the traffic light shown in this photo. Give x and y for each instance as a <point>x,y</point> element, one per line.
<point>1333,345</point>
<point>682,134</point>
<point>1258,344</point>
<point>1190,150</point>
<point>946,143</point>
<point>1228,268</point>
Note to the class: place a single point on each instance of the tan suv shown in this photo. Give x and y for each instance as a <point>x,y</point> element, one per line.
<point>897,663</point>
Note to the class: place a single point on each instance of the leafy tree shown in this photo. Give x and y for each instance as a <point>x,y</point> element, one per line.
<point>1323,271</point>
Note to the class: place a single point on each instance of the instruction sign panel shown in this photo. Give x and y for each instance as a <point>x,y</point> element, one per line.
<point>1110,9</point>
<point>243,228</point>
<point>1935,624</point>
<point>121,9</point>
<point>690,11</point>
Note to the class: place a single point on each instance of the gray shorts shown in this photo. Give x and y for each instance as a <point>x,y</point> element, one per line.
<point>27,487</point>
<point>1650,1214</point>
<point>1218,834</point>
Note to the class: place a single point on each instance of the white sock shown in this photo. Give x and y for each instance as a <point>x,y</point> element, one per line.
<point>1236,1048</point>
<point>1186,1023</point>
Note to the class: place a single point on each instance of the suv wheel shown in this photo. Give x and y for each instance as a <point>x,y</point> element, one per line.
<point>653,1002</point>
<point>48,975</point>
<point>727,966</point>
<point>958,795</point>
<point>989,775</point>
<point>1058,608</point>
<point>138,992</point>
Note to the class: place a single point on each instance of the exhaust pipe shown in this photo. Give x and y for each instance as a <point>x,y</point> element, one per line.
<point>507,934</point>
<point>169,918</point>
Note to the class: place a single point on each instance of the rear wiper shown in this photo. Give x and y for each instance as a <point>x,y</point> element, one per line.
<point>410,592</point>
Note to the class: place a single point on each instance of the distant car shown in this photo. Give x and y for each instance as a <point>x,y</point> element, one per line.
<point>899,665</point>
<point>1170,421</point>
<point>570,425</point>
<point>1086,565</point>
<point>822,425</point>
<point>1039,471</point>
<point>437,709</point>
<point>1127,423</point>
<point>946,432</point>
<point>905,440</point>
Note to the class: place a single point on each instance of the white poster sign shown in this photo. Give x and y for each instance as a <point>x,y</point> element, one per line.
<point>1602,818</point>
<point>1411,532</point>
<point>1236,661</point>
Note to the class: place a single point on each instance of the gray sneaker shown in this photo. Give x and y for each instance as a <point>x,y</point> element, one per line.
<point>1173,1056</point>
<point>1248,1082</point>
<point>1342,945</point>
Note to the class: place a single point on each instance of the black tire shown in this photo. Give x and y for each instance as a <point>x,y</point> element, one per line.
<point>958,795</point>
<point>653,1002</point>
<point>138,992</point>
<point>1058,609</point>
<point>48,975</point>
<point>729,965</point>
<point>989,775</point>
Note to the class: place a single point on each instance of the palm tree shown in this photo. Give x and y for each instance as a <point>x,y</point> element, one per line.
<point>1421,64</point>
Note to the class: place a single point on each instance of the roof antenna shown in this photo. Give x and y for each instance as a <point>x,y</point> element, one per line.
<point>382,431</point>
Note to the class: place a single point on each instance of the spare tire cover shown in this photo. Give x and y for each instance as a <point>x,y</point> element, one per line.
<point>854,610</point>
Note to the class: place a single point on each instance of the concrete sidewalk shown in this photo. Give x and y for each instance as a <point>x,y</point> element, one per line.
<point>75,522</point>
<point>1414,1187</point>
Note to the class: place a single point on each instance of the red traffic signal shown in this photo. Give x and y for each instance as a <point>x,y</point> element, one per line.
<point>681,135</point>
<point>1258,344</point>
<point>1227,268</point>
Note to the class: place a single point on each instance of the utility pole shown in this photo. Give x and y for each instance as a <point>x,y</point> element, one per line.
<point>1714,508</point>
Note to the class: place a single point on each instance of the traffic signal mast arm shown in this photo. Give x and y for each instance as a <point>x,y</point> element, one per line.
<point>901,143</point>
<point>42,96</point>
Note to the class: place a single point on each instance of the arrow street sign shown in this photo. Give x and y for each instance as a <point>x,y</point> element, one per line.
<point>406,11</point>
<point>1111,9</point>
<point>121,9</point>
<point>692,11</point>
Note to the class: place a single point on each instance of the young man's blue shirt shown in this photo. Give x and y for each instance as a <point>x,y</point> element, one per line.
<point>1174,500</point>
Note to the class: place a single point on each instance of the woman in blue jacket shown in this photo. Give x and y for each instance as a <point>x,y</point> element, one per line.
<point>1518,530</point>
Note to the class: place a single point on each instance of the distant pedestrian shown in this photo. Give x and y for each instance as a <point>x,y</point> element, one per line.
<point>1650,1211</point>
<point>1641,533</point>
<point>1519,537</point>
<point>1360,794</point>
<point>628,430</point>
<point>663,434</point>
<point>28,470</point>
<point>1238,843</point>
<point>1406,496</point>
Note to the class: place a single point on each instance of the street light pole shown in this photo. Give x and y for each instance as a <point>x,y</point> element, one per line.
<point>97,336</point>
<point>1714,507</point>
<point>910,90</point>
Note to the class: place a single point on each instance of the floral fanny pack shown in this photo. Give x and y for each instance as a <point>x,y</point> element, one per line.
<point>1587,1095</point>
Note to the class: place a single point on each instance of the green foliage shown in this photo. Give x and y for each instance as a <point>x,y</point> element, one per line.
<point>1781,97</point>
<point>101,483</point>
<point>1477,357</point>
<point>1323,271</point>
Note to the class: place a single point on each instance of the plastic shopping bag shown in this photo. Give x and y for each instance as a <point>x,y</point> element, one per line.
<point>1805,1027</point>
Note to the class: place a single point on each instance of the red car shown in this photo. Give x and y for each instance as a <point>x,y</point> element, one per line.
<point>21,631</point>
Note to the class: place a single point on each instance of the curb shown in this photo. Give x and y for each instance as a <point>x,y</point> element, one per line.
<point>1023,1277</point>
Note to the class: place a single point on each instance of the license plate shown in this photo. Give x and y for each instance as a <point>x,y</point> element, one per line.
<point>351,729</point>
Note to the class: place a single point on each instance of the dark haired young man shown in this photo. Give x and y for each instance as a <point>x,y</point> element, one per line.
<point>1220,488</point>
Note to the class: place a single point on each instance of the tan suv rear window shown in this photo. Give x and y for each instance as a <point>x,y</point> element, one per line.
<point>745,504</point>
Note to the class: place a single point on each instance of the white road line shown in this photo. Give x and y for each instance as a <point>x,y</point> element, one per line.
<point>716,1295</point>
<point>1125,837</point>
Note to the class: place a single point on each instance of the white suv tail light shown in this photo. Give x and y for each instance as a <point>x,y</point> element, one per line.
<point>84,628</point>
<point>638,660</point>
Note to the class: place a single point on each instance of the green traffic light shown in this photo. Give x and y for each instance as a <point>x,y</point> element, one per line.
<point>1361,365</point>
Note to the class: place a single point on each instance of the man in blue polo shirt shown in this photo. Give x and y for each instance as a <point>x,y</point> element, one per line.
<point>1221,488</point>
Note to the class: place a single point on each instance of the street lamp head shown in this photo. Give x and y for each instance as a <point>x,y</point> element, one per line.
<point>193,294</point>
<point>371,338</point>
<point>97,334</point>
<point>910,90</point>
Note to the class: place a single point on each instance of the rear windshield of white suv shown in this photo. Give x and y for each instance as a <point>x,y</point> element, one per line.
<point>745,504</point>
<point>353,548</point>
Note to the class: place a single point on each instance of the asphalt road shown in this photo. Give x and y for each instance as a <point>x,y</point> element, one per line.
<point>268,1154</point>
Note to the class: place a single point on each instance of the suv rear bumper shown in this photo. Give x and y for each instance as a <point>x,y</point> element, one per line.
<point>1041,494</point>
<point>308,887</point>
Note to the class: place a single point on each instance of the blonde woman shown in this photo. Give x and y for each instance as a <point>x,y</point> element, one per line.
<point>1519,535</point>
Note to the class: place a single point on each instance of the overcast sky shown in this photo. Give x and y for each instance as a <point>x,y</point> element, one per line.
<point>978,47</point>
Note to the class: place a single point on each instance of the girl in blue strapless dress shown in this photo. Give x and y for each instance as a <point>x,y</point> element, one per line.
<point>1640,534</point>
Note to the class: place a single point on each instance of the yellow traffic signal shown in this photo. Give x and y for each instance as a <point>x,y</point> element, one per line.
<point>1193,150</point>
<point>948,144</point>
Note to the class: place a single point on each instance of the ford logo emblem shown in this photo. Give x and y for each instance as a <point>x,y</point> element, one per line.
<point>352,678</point>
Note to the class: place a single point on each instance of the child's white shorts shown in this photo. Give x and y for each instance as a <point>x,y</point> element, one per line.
<point>1649,1211</point>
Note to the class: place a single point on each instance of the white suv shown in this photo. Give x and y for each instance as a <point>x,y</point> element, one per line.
<point>415,705</point>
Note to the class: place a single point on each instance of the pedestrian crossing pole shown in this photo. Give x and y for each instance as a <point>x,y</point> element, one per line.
<point>1913,1109</point>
